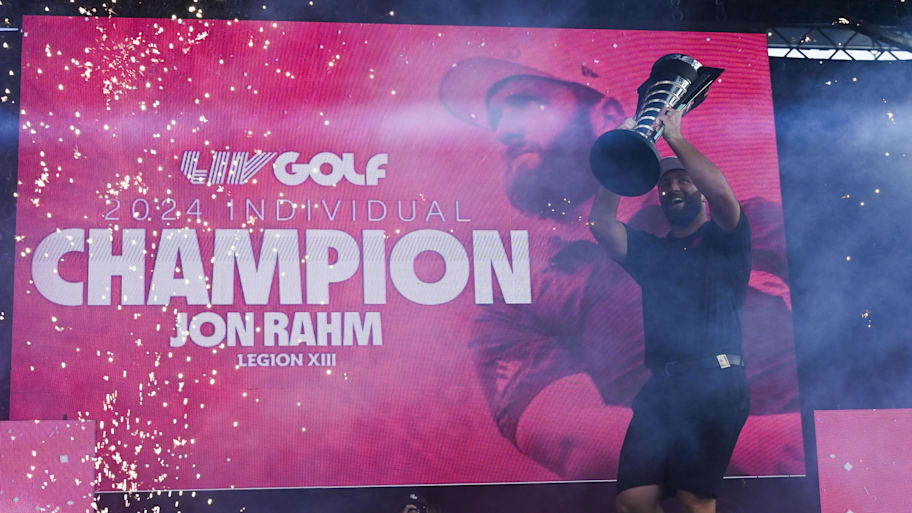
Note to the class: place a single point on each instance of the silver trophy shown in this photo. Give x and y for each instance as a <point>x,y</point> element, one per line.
<point>627,161</point>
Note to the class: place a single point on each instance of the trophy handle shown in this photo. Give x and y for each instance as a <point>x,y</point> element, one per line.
<point>676,81</point>
<point>705,79</point>
<point>700,89</point>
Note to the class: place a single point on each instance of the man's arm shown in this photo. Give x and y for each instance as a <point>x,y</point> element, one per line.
<point>705,175</point>
<point>603,223</point>
<point>605,227</point>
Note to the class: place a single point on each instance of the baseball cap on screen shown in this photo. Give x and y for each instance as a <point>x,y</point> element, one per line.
<point>465,87</point>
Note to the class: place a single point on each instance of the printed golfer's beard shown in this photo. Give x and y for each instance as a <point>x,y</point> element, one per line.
<point>552,181</point>
<point>682,216</point>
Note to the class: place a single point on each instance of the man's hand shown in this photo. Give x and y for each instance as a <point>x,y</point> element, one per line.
<point>627,124</point>
<point>671,120</point>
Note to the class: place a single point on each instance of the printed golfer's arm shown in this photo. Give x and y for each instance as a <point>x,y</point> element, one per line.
<point>768,445</point>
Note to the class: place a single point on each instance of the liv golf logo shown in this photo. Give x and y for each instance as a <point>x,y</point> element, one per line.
<point>325,168</point>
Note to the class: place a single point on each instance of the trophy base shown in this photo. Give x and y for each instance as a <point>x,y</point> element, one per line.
<point>625,163</point>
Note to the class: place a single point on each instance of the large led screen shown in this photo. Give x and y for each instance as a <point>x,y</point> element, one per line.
<point>272,254</point>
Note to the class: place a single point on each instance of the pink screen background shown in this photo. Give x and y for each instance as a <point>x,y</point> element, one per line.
<point>47,466</point>
<point>409,411</point>
<point>864,459</point>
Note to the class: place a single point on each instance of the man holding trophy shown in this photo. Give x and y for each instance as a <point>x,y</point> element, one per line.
<point>560,374</point>
<point>687,417</point>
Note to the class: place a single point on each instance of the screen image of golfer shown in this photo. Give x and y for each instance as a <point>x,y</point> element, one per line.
<point>275,254</point>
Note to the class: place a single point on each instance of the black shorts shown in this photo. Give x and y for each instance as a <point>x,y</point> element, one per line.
<point>684,430</point>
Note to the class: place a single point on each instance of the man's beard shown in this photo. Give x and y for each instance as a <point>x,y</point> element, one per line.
<point>562,177</point>
<point>684,215</point>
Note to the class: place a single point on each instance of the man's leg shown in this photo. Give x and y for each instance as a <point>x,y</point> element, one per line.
<point>693,503</point>
<point>569,430</point>
<point>709,426</point>
<point>639,499</point>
